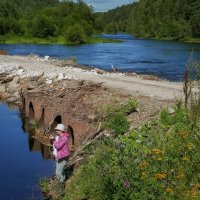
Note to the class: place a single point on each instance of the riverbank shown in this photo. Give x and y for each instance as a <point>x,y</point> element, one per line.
<point>130,83</point>
<point>14,39</point>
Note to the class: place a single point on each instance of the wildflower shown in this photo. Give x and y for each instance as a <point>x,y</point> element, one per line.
<point>169,190</point>
<point>190,146</point>
<point>157,151</point>
<point>185,158</point>
<point>193,192</point>
<point>126,184</point>
<point>180,175</point>
<point>160,176</point>
<point>144,175</point>
<point>184,134</point>
<point>144,165</point>
<point>159,159</point>
<point>196,186</point>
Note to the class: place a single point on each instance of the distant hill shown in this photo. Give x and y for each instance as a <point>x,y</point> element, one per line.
<point>173,19</point>
<point>114,20</point>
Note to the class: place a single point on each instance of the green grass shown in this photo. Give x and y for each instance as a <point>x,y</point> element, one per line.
<point>14,39</point>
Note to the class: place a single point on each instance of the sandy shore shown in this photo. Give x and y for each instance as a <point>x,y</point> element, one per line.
<point>26,66</point>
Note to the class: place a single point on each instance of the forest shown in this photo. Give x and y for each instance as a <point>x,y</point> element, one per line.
<point>67,22</point>
<point>72,22</point>
<point>170,19</point>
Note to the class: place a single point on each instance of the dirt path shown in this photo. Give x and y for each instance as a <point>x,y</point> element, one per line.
<point>131,84</point>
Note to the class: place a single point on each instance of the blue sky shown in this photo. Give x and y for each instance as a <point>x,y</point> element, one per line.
<point>104,5</point>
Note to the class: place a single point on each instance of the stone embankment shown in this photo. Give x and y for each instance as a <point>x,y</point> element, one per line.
<point>52,91</point>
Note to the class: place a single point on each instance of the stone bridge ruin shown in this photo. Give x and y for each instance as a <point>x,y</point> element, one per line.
<point>71,104</point>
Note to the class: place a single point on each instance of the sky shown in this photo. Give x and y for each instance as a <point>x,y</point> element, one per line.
<point>104,5</point>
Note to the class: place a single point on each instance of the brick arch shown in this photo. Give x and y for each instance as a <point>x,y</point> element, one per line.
<point>57,119</point>
<point>71,132</point>
<point>31,112</point>
<point>42,120</point>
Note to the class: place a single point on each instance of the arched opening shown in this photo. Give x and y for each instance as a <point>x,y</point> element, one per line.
<point>31,114</point>
<point>23,114</point>
<point>31,111</point>
<point>57,120</point>
<point>71,138</point>
<point>41,122</point>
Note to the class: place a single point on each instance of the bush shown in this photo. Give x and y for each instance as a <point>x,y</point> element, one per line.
<point>158,161</point>
<point>75,35</point>
<point>117,123</point>
<point>43,26</point>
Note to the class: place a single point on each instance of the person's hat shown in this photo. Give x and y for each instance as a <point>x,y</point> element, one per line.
<point>60,127</point>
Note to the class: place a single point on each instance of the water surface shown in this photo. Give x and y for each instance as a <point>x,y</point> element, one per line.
<point>165,59</point>
<point>23,160</point>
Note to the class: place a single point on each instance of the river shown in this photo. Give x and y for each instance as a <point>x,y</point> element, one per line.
<point>165,59</point>
<point>24,161</point>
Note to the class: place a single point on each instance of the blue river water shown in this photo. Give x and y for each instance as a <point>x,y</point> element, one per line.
<point>165,59</point>
<point>23,160</point>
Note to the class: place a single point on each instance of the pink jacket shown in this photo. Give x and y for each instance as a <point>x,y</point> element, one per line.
<point>62,146</point>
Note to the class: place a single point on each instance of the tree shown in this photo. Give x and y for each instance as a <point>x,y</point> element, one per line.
<point>75,34</point>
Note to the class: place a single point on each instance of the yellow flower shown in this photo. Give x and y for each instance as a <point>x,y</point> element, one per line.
<point>169,190</point>
<point>180,175</point>
<point>144,165</point>
<point>144,175</point>
<point>193,193</point>
<point>157,151</point>
<point>185,158</point>
<point>160,176</point>
<point>159,159</point>
<point>184,134</point>
<point>196,186</point>
<point>190,146</point>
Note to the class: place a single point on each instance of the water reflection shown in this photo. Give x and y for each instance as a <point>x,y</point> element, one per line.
<point>35,145</point>
<point>24,161</point>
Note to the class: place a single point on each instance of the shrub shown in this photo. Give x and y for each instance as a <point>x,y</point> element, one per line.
<point>75,35</point>
<point>118,123</point>
<point>158,161</point>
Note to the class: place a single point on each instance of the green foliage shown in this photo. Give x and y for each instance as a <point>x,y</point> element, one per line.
<point>43,26</point>
<point>43,183</point>
<point>158,161</point>
<point>174,19</point>
<point>118,123</point>
<point>114,115</point>
<point>75,35</point>
<point>193,84</point>
<point>116,107</point>
<point>48,18</point>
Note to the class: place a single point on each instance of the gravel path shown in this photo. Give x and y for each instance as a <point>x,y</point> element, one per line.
<point>130,84</point>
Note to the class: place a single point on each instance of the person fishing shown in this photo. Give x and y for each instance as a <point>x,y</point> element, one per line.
<point>60,144</point>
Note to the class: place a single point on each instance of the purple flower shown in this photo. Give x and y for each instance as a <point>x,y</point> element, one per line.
<point>126,184</point>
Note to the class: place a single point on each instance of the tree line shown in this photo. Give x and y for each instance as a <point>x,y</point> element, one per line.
<point>176,19</point>
<point>47,18</point>
<point>76,22</point>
